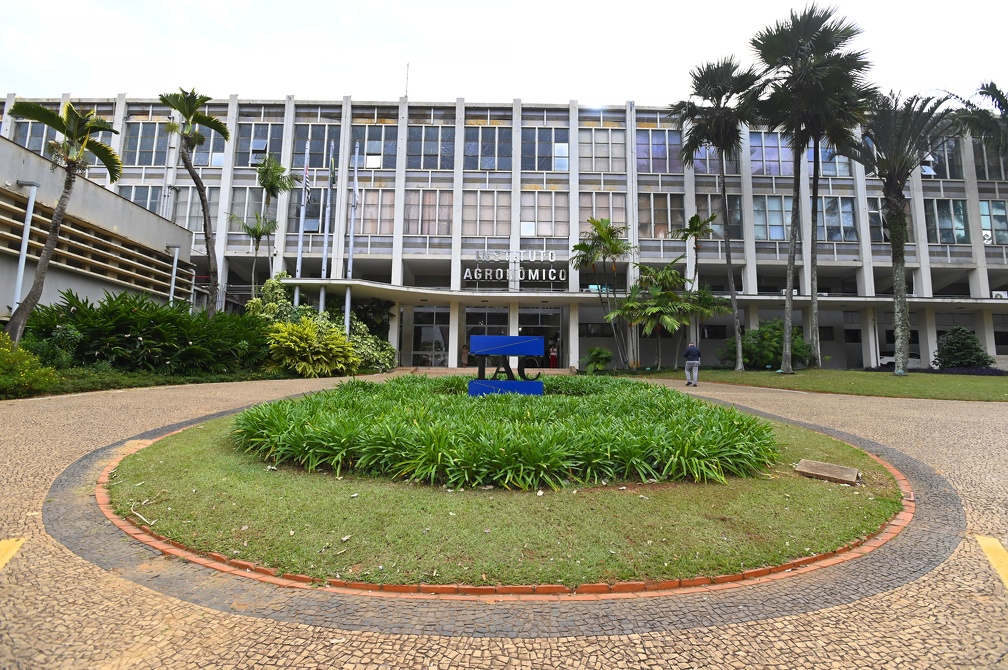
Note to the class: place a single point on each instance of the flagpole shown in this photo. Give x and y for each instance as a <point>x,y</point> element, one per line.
<point>305,192</point>
<point>325,234</point>
<point>353,216</point>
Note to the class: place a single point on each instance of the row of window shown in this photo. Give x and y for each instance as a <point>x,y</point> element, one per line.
<point>547,213</point>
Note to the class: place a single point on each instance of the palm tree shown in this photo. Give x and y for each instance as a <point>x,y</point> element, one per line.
<point>663,305</point>
<point>814,90</point>
<point>189,106</point>
<point>896,139</point>
<point>604,244</point>
<point>274,179</point>
<point>715,119</point>
<point>262,227</point>
<point>989,126</point>
<point>71,152</point>
<point>696,228</point>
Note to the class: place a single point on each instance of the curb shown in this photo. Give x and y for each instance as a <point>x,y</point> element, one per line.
<point>592,591</point>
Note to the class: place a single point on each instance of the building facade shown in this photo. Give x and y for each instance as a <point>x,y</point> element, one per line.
<point>467,213</point>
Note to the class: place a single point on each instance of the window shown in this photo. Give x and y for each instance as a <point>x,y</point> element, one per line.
<point>146,143</point>
<point>877,226</point>
<point>772,215</point>
<point>313,212</point>
<point>708,204</point>
<point>107,138</point>
<point>831,164</point>
<point>946,221</point>
<point>659,214</point>
<point>994,221</point>
<point>486,213</point>
<point>658,151</point>
<point>835,220</point>
<point>488,148</point>
<point>189,213</point>
<point>545,149</point>
<point>548,211</point>
<point>319,136</point>
<point>430,148</point>
<point>770,154</point>
<point>946,160</point>
<point>707,161</point>
<point>375,212</point>
<point>246,202</point>
<point>428,212</point>
<point>211,152</point>
<point>33,135</point>
<point>602,150</point>
<point>255,140</point>
<point>430,336</point>
<point>378,146</point>
<point>148,197</point>
<point>610,206</point>
<point>989,165</point>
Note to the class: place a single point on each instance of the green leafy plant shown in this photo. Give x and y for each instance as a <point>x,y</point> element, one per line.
<point>375,353</point>
<point>596,360</point>
<point>21,373</point>
<point>311,348</point>
<point>763,347</point>
<point>960,348</point>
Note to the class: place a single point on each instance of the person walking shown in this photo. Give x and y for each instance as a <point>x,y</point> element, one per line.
<point>692,356</point>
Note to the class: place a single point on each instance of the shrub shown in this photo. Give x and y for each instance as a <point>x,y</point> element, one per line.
<point>312,347</point>
<point>596,360</point>
<point>375,353</point>
<point>21,373</point>
<point>58,349</point>
<point>763,347</point>
<point>960,348</point>
<point>586,431</point>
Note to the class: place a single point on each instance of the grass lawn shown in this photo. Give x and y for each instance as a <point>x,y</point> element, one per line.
<point>196,488</point>
<point>857,382</point>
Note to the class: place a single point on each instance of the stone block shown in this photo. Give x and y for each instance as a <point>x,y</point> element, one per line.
<point>840,474</point>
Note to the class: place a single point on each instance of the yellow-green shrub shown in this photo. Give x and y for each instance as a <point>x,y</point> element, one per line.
<point>21,374</point>
<point>311,347</point>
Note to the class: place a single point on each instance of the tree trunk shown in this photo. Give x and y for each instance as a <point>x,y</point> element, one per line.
<point>255,258</point>
<point>816,359</point>
<point>208,235</point>
<point>895,213</point>
<point>792,251</point>
<point>607,308</point>
<point>739,365</point>
<point>16,325</point>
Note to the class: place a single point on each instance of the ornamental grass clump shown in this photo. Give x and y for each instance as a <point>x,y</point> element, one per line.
<point>584,430</point>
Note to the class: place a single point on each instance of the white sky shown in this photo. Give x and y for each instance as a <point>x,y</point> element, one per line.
<point>545,51</point>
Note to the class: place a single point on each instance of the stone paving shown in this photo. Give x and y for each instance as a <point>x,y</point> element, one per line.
<point>80,594</point>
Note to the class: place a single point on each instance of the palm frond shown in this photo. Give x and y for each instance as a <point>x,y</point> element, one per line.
<point>32,111</point>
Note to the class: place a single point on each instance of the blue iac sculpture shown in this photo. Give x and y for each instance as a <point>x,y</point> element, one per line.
<point>504,346</point>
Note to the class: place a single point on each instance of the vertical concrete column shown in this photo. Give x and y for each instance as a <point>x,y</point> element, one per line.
<point>865,273</point>
<point>7,121</point>
<point>808,236</point>
<point>750,317</point>
<point>343,186</point>
<point>406,345</point>
<point>118,141</point>
<point>220,225</point>
<point>393,333</point>
<point>922,275</point>
<point>978,279</point>
<point>869,337</point>
<point>573,329</point>
<point>750,272</point>
<point>399,209</point>
<point>633,234</point>
<point>283,202</point>
<point>927,334</point>
<point>453,334</point>
<point>573,200</point>
<point>983,322</point>
<point>514,243</point>
<point>513,329</point>
<point>457,196</point>
<point>689,211</point>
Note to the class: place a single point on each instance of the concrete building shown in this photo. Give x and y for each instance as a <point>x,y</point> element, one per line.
<point>468,212</point>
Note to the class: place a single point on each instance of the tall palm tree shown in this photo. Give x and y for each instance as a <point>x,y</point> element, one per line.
<point>714,115</point>
<point>696,228</point>
<point>895,140</point>
<point>986,124</point>
<point>813,90</point>
<point>274,179</point>
<point>71,152</point>
<point>262,227</point>
<point>605,244</point>
<point>189,106</point>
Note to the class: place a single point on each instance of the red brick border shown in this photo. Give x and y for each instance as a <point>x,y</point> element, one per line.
<point>218,561</point>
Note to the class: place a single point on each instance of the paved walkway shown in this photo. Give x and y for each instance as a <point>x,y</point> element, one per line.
<point>77,595</point>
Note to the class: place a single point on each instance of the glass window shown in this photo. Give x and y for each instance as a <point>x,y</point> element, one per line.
<point>945,160</point>
<point>835,220</point>
<point>772,215</point>
<point>33,135</point>
<point>946,221</point>
<point>994,221</point>
<point>211,152</point>
<point>189,213</point>
<point>430,148</point>
<point>831,164</point>
<point>255,140</point>
<point>708,204</point>
<point>660,214</point>
<point>770,154</point>
<point>486,213</point>
<point>545,149</point>
<point>146,143</point>
<point>320,138</point>
<point>313,212</point>
<point>658,151</point>
<point>428,212</point>
<point>148,197</point>
<point>877,226</point>
<point>488,148</point>
<point>547,212</point>
<point>610,206</point>
<point>989,165</point>
<point>602,150</point>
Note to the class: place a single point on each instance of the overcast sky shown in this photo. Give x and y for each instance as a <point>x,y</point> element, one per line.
<point>544,51</point>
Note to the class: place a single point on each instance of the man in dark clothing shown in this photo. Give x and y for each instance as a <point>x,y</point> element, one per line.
<point>692,356</point>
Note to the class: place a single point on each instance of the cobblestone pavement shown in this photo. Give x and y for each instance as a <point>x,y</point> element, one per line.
<point>78,595</point>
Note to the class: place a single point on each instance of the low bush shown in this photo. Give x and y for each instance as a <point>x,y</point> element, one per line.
<point>584,430</point>
<point>21,373</point>
<point>313,347</point>
<point>763,347</point>
<point>374,353</point>
<point>960,348</point>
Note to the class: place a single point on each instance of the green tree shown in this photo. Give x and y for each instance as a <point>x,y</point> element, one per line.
<point>262,227</point>
<point>605,244</point>
<point>762,346</point>
<point>192,119</point>
<point>274,180</point>
<point>984,123</point>
<point>71,152</point>
<point>813,89</point>
<point>718,107</point>
<point>654,302</point>
<point>960,348</point>
<point>895,140</point>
